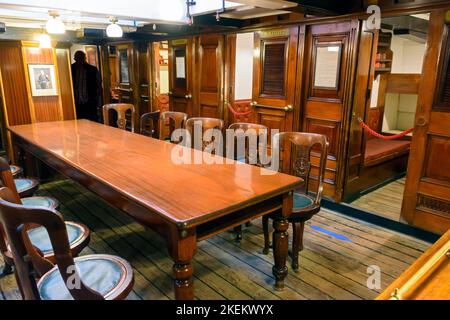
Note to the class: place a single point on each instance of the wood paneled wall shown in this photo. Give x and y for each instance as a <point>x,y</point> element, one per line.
<point>42,108</point>
<point>19,106</point>
<point>13,83</point>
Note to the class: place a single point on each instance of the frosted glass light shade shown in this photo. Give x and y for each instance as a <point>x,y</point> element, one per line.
<point>114,31</point>
<point>55,26</point>
<point>44,41</point>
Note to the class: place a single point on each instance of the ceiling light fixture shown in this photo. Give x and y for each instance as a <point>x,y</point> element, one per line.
<point>54,25</point>
<point>114,30</point>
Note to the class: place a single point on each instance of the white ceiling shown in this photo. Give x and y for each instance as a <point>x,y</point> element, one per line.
<point>77,14</point>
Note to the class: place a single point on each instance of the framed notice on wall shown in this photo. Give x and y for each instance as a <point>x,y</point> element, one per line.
<point>327,64</point>
<point>42,80</point>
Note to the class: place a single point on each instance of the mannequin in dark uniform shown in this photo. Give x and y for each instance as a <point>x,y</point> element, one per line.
<point>86,87</point>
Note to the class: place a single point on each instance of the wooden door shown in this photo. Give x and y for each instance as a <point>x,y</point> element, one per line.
<point>209,76</point>
<point>330,57</point>
<point>274,77</point>
<point>426,202</point>
<point>181,75</point>
<point>125,73</point>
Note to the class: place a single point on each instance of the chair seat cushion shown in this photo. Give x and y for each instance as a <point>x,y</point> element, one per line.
<point>15,170</point>
<point>40,239</point>
<point>105,274</point>
<point>42,202</point>
<point>24,184</point>
<point>302,201</point>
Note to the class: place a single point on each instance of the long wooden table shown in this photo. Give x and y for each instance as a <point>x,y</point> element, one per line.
<point>428,278</point>
<point>184,203</point>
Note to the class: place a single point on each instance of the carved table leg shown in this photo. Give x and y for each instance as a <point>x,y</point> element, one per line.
<point>184,286</point>
<point>280,242</point>
<point>280,251</point>
<point>182,247</point>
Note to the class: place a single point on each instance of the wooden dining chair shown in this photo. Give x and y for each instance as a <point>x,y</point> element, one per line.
<point>78,233</point>
<point>206,124</point>
<point>16,171</point>
<point>121,109</point>
<point>149,124</point>
<point>306,200</point>
<point>90,277</point>
<point>248,129</point>
<point>162,102</point>
<point>170,121</point>
<point>24,188</point>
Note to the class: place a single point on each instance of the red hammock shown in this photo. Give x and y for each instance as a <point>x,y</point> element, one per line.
<point>380,136</point>
<point>237,114</point>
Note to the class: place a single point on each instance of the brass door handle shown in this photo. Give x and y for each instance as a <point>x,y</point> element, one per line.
<point>188,96</point>
<point>288,108</point>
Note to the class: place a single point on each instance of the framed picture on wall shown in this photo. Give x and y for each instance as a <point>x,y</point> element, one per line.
<point>42,80</point>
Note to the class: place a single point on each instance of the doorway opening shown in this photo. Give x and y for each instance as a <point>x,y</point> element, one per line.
<point>400,51</point>
<point>161,63</point>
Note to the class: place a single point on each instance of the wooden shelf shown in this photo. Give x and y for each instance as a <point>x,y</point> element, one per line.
<point>384,60</point>
<point>382,69</point>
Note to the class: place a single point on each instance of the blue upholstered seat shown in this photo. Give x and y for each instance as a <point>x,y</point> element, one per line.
<point>42,202</point>
<point>102,273</point>
<point>23,184</point>
<point>15,169</point>
<point>40,239</point>
<point>302,201</point>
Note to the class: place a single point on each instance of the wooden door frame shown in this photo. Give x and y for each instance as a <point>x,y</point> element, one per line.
<point>426,99</point>
<point>229,76</point>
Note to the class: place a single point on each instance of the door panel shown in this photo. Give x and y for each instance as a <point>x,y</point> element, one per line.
<point>327,81</point>
<point>209,79</point>
<point>125,87</point>
<point>181,75</point>
<point>274,77</point>
<point>426,201</point>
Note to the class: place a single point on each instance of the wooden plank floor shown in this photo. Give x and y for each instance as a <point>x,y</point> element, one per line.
<point>334,262</point>
<point>385,201</point>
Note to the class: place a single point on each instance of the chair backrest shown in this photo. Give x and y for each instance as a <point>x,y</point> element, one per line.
<point>303,146</point>
<point>206,124</point>
<point>7,179</point>
<point>150,124</point>
<point>16,220</point>
<point>176,120</point>
<point>121,109</point>
<point>248,130</point>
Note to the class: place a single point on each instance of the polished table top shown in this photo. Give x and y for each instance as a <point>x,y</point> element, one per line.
<point>142,169</point>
